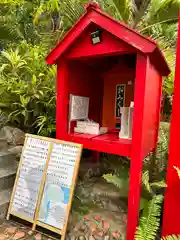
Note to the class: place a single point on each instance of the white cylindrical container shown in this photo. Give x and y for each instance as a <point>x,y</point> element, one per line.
<point>124,122</point>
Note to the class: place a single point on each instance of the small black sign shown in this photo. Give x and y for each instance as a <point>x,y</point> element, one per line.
<point>120,98</point>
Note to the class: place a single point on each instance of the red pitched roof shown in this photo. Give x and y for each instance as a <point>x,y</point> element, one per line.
<point>95,15</point>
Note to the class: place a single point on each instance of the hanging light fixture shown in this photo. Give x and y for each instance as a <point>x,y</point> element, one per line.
<point>96,37</point>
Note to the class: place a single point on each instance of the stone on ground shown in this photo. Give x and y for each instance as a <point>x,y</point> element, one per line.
<point>13,231</point>
<point>106,219</point>
<point>13,136</point>
<point>19,235</point>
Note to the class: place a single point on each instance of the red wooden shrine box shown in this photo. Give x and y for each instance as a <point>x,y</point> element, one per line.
<point>122,56</point>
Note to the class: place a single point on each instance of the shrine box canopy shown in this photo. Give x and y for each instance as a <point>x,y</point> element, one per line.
<point>97,55</point>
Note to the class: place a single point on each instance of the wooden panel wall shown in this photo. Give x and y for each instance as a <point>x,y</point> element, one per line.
<point>121,76</point>
<point>152,101</point>
<point>84,81</point>
<point>110,45</point>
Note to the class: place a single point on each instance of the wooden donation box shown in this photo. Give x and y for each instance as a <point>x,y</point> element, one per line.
<point>109,82</point>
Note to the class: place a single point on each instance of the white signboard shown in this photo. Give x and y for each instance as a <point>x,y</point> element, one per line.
<point>126,122</point>
<point>79,107</point>
<point>58,184</point>
<point>33,162</point>
<point>45,182</point>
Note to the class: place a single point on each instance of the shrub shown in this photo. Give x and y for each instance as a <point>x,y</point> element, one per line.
<point>27,86</point>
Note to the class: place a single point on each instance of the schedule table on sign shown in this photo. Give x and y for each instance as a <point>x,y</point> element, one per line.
<point>34,158</point>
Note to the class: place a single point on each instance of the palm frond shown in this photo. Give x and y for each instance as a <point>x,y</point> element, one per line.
<point>123,7</point>
<point>72,10</point>
<point>120,9</point>
<point>160,22</point>
<point>9,34</point>
<point>162,10</point>
<point>139,13</point>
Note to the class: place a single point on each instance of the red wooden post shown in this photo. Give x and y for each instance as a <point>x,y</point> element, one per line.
<point>136,155</point>
<point>145,131</point>
<point>171,223</point>
<point>62,100</point>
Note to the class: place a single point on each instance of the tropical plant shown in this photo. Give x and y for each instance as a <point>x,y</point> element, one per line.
<point>149,189</point>
<point>149,17</point>
<point>154,169</point>
<point>149,223</point>
<point>28,89</point>
<point>156,163</point>
<point>150,220</point>
<point>16,22</point>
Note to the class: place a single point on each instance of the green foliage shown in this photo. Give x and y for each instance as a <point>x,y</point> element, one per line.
<point>150,220</point>
<point>117,172</point>
<point>145,181</point>
<point>16,22</point>
<point>118,181</point>
<point>150,188</point>
<point>154,169</point>
<point>27,86</point>
<point>80,204</point>
<point>171,237</point>
<point>3,119</point>
<point>121,10</point>
<point>156,163</point>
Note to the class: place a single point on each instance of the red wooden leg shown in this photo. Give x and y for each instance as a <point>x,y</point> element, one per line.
<point>134,196</point>
<point>96,156</point>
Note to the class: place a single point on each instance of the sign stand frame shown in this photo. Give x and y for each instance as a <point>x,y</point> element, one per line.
<point>15,185</point>
<point>41,189</point>
<point>35,221</point>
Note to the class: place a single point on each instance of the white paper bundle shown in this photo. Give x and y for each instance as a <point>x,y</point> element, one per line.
<point>89,127</point>
<point>126,121</point>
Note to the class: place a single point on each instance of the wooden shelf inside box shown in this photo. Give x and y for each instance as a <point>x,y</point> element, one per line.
<point>109,142</point>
